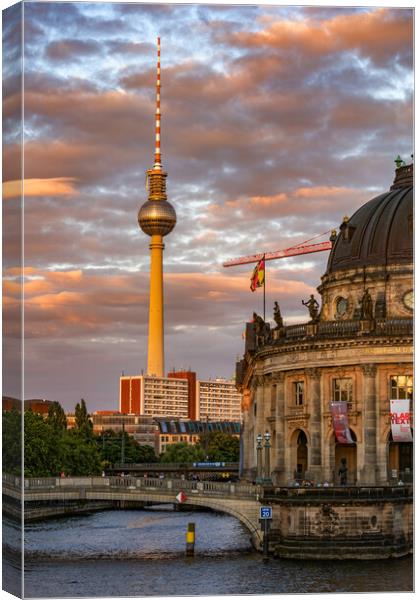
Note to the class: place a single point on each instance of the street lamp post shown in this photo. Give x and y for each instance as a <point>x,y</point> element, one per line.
<point>259,458</point>
<point>267,470</point>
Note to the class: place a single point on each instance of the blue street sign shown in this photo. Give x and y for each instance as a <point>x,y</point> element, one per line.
<point>266,512</point>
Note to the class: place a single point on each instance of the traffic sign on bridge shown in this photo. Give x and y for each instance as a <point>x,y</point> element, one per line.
<point>266,512</point>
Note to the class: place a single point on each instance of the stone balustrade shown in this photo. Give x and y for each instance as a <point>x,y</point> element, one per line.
<point>212,488</point>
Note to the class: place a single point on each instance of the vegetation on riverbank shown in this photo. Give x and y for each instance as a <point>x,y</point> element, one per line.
<point>51,449</point>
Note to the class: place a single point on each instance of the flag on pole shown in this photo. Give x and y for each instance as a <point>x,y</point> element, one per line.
<point>258,275</point>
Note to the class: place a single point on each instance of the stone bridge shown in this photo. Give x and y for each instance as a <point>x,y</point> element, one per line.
<point>50,496</point>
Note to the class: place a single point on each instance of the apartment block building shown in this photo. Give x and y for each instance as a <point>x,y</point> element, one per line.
<point>218,400</point>
<point>154,396</point>
<point>180,395</point>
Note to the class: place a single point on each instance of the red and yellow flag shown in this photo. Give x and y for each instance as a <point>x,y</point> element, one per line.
<point>258,275</point>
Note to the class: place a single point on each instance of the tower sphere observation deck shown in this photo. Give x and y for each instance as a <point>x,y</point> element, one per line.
<point>157,217</point>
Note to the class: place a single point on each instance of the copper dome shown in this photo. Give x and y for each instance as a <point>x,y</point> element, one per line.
<point>381,231</point>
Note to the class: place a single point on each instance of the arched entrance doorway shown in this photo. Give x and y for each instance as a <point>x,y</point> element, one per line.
<point>400,460</point>
<point>301,455</point>
<point>345,462</point>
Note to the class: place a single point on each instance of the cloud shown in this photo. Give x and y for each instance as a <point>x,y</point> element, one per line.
<point>71,49</point>
<point>77,303</point>
<point>57,186</point>
<point>319,201</point>
<point>380,34</point>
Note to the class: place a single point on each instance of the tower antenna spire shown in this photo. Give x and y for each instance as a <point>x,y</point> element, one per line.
<point>158,158</point>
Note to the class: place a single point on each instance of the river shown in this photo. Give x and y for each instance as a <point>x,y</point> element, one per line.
<point>141,553</point>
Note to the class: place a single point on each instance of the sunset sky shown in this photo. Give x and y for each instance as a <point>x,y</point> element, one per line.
<point>276,122</point>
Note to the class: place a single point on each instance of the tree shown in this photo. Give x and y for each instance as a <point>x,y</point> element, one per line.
<point>41,447</point>
<point>82,422</point>
<point>12,441</point>
<point>221,447</point>
<point>57,417</point>
<point>182,453</point>
<point>51,449</point>
<point>146,454</point>
<point>77,456</point>
<point>109,444</point>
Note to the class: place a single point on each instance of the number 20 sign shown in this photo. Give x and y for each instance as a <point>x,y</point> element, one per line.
<point>266,512</point>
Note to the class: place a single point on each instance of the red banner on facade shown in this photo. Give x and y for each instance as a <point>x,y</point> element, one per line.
<point>401,421</point>
<point>341,422</point>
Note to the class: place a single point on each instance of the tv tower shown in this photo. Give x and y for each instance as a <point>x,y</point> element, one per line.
<point>156,218</point>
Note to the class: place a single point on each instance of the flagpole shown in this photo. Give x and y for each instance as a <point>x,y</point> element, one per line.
<point>264,286</point>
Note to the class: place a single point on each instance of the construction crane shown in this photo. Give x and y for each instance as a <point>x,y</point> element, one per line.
<point>303,248</point>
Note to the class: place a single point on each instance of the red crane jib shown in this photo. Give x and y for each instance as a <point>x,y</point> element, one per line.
<point>294,251</point>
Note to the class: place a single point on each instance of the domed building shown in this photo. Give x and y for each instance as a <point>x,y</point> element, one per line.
<point>322,389</point>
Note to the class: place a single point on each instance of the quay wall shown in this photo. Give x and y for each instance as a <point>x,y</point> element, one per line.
<point>342,529</point>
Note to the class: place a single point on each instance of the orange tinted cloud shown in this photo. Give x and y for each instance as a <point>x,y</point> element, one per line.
<point>299,201</point>
<point>268,200</point>
<point>77,303</point>
<point>321,190</point>
<point>54,186</point>
<point>379,33</point>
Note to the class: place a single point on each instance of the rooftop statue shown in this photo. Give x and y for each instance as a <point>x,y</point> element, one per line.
<point>260,329</point>
<point>277,316</point>
<point>366,306</point>
<point>313,307</point>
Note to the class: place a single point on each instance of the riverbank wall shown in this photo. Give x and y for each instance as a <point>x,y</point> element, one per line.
<point>370,523</point>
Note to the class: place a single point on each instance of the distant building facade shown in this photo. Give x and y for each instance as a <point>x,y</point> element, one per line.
<point>180,395</point>
<point>218,400</point>
<point>154,396</point>
<point>142,428</point>
<point>36,405</point>
<point>191,377</point>
<point>174,431</point>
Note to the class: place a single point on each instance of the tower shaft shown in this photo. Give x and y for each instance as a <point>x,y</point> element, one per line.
<point>155,352</point>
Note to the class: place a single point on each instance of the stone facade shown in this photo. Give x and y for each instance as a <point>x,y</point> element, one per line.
<point>346,530</point>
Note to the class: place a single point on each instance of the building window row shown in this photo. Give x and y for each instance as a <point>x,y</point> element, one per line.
<point>400,388</point>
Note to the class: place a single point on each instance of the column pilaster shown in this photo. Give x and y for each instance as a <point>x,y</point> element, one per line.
<point>279,464</point>
<point>369,468</point>
<point>314,397</point>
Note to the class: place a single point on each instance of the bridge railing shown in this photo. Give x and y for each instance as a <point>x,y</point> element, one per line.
<point>12,480</point>
<point>159,467</point>
<point>164,485</point>
<point>338,492</point>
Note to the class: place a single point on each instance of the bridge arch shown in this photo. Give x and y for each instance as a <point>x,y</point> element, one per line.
<point>238,500</point>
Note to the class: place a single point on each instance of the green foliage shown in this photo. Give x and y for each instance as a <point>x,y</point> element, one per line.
<point>77,456</point>
<point>221,447</point>
<point>116,446</point>
<point>146,454</point>
<point>82,422</point>
<point>50,449</point>
<point>41,452</point>
<point>12,442</point>
<point>182,453</point>
<point>57,417</point>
